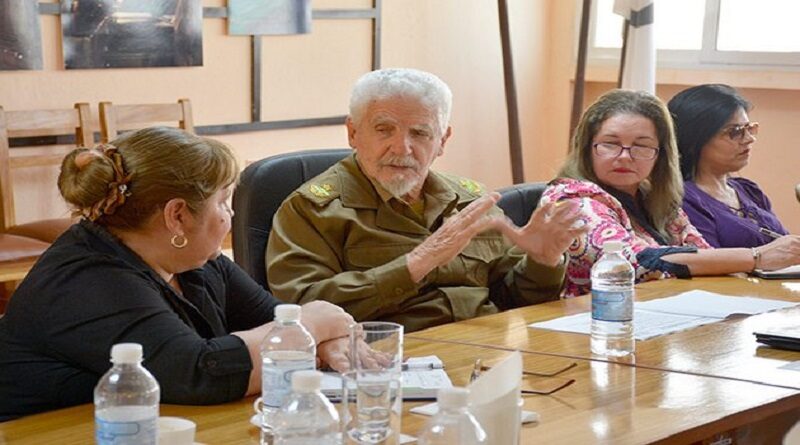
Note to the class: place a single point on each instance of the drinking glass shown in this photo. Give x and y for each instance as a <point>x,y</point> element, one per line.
<point>372,399</point>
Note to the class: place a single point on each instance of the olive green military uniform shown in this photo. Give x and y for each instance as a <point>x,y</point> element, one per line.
<point>343,239</point>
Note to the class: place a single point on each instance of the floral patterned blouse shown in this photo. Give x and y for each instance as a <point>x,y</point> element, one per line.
<point>608,220</point>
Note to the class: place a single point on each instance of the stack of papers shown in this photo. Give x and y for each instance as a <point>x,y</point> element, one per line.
<point>422,377</point>
<point>666,315</point>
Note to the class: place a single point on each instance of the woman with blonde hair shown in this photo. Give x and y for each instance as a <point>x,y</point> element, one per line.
<point>623,172</point>
<point>144,266</point>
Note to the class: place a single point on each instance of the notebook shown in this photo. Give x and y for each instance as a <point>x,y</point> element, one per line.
<point>781,338</point>
<point>787,273</point>
<point>422,377</point>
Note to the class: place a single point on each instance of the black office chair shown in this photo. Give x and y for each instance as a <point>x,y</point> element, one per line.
<point>262,188</point>
<point>519,201</point>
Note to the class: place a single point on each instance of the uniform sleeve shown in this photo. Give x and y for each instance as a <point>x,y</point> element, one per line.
<point>115,304</point>
<point>305,263</point>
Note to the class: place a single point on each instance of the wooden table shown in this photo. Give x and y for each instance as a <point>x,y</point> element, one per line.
<point>608,403</point>
<point>683,388</point>
<point>724,349</point>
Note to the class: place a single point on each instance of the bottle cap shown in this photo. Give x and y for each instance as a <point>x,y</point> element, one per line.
<point>454,397</point>
<point>612,246</point>
<point>306,380</point>
<point>287,312</point>
<point>126,353</point>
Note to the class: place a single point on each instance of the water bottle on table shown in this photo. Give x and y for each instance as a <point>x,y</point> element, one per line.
<point>453,423</point>
<point>287,347</point>
<point>306,416</point>
<point>126,400</point>
<point>612,303</point>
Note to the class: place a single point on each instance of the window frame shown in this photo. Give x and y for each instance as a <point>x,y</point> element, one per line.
<point>706,57</point>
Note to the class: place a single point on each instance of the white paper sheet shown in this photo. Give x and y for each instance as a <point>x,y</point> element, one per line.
<point>646,324</point>
<point>707,304</point>
<point>432,408</point>
<point>793,366</point>
<point>672,314</point>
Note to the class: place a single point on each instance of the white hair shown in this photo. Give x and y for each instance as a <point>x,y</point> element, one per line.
<point>425,87</point>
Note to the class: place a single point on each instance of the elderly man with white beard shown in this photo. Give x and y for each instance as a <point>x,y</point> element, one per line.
<point>386,238</point>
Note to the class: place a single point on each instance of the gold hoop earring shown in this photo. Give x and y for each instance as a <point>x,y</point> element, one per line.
<point>178,241</point>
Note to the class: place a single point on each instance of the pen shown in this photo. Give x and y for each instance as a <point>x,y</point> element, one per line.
<point>769,233</point>
<point>422,366</point>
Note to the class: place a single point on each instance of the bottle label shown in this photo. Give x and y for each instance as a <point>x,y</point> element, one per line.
<point>612,305</point>
<point>276,374</point>
<point>126,426</point>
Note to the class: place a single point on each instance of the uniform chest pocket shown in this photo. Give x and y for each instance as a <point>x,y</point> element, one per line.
<point>472,266</point>
<point>484,249</point>
<point>367,257</point>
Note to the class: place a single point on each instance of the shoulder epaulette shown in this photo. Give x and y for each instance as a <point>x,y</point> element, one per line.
<point>322,189</point>
<point>463,185</point>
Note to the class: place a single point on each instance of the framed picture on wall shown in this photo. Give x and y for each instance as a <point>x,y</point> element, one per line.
<point>20,36</point>
<point>131,33</point>
<point>269,17</point>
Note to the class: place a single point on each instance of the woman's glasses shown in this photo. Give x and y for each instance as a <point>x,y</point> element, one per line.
<point>737,132</point>
<point>609,150</point>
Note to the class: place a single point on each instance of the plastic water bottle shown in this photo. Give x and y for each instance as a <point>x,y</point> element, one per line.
<point>287,347</point>
<point>307,417</point>
<point>126,400</point>
<point>612,303</point>
<point>453,423</point>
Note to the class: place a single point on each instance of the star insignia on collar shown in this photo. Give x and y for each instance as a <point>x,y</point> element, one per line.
<point>470,186</point>
<point>320,191</point>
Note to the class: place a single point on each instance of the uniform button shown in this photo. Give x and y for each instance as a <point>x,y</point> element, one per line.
<point>398,291</point>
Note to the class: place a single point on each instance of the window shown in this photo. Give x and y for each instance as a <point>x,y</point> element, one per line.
<point>698,32</point>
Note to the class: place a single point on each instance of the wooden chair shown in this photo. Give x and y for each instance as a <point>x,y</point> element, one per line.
<point>116,118</point>
<point>21,244</point>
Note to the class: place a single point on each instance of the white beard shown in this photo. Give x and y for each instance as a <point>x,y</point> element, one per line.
<point>399,186</point>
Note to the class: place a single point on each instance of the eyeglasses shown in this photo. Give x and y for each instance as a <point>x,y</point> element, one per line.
<point>609,150</point>
<point>478,368</point>
<point>737,132</point>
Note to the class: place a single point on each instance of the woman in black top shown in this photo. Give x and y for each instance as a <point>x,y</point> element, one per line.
<point>144,266</point>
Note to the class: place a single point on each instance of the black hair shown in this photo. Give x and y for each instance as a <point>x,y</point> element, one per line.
<point>699,113</point>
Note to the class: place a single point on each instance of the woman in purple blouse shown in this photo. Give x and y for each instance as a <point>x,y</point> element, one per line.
<point>715,139</point>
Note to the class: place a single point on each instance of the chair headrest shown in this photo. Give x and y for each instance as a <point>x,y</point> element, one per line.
<point>263,186</point>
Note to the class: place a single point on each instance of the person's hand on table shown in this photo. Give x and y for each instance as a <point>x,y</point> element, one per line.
<point>325,321</point>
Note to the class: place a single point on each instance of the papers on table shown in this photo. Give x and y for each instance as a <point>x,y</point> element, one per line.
<point>793,366</point>
<point>646,324</point>
<point>422,380</point>
<point>666,315</point>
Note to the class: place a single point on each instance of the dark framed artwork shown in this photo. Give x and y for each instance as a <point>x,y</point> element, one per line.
<point>131,33</point>
<point>269,17</point>
<point>20,37</point>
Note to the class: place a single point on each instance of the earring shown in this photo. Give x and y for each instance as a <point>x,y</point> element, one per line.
<point>178,241</point>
